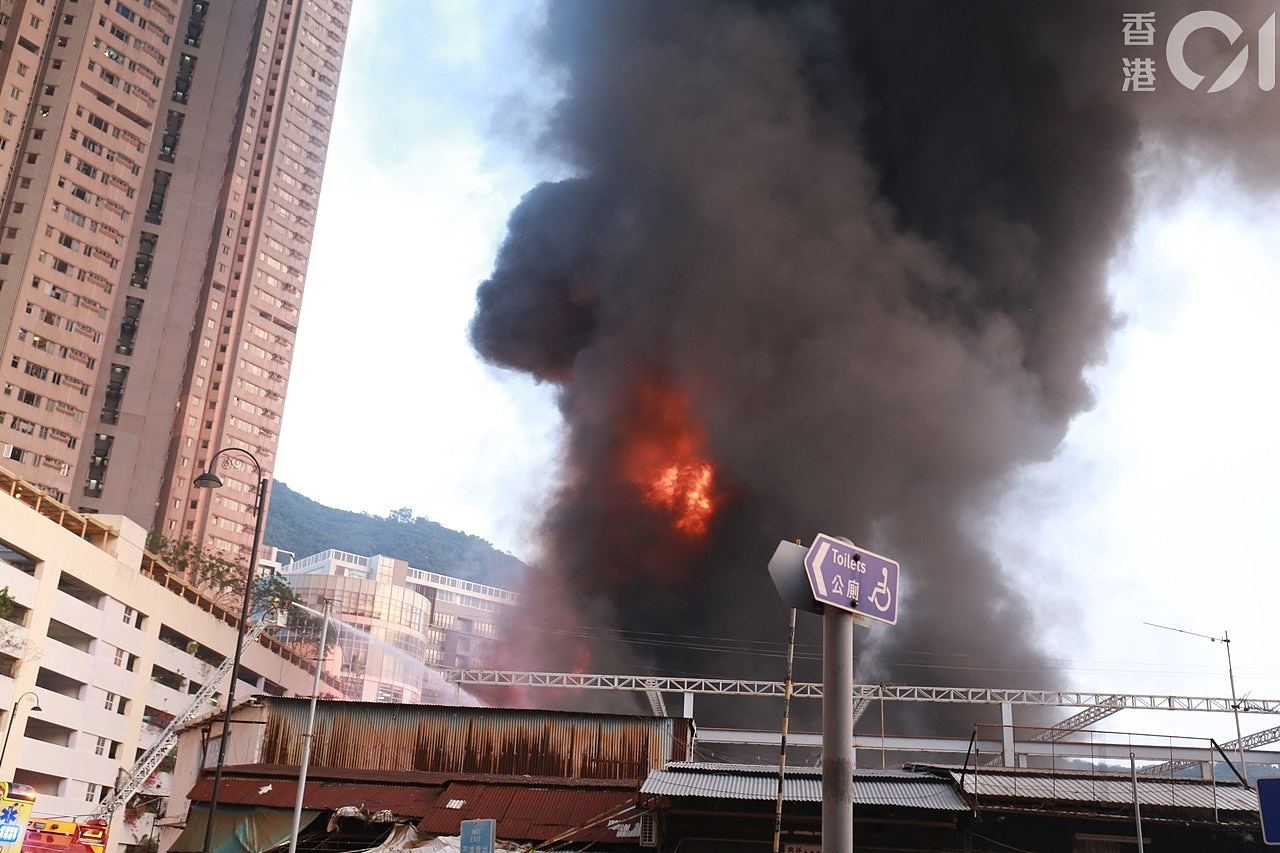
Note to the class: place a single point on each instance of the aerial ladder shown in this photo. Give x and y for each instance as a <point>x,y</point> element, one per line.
<point>136,776</point>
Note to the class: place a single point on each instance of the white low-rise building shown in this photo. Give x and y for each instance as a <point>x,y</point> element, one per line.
<point>110,645</point>
<point>409,621</point>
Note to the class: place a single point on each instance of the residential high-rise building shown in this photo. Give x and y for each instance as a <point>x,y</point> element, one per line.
<point>81,94</point>
<point>147,342</point>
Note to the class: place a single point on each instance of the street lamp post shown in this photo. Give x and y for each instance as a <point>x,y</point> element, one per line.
<point>210,480</point>
<point>13,712</point>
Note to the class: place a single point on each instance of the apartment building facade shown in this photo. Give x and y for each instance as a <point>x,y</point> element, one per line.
<point>163,161</point>
<point>206,337</point>
<point>410,622</point>
<point>110,646</point>
<point>82,89</point>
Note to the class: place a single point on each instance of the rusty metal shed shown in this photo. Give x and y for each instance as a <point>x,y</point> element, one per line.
<point>406,795</point>
<point>449,739</point>
<point>532,811</point>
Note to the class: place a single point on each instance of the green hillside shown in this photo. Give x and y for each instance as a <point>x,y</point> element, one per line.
<point>298,524</point>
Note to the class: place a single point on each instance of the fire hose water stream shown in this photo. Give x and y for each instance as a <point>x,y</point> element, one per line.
<point>433,681</point>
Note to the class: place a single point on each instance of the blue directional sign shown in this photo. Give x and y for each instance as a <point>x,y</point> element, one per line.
<point>477,835</point>
<point>852,578</point>
<point>1269,808</point>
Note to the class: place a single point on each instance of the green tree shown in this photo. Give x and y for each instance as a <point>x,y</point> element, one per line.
<point>214,574</point>
<point>302,626</point>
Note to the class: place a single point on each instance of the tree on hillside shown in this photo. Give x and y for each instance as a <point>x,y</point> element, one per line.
<point>298,524</point>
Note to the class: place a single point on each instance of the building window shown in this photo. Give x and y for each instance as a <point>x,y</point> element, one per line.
<point>101,747</point>
<point>133,617</point>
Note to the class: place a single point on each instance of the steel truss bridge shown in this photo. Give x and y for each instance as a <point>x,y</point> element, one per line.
<point>1014,742</point>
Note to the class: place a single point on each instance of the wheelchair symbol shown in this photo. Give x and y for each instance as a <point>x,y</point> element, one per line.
<point>882,591</point>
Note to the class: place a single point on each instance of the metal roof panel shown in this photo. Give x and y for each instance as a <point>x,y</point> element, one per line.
<point>760,782</point>
<point>1116,789</point>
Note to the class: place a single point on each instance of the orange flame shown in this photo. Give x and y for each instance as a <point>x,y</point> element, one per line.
<point>684,488</point>
<point>666,461</point>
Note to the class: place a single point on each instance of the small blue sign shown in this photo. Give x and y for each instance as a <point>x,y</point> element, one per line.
<point>851,578</point>
<point>478,835</point>
<point>1269,809</point>
<point>9,833</point>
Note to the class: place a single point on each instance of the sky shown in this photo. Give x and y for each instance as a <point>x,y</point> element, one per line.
<point>388,406</point>
<point>1162,505</point>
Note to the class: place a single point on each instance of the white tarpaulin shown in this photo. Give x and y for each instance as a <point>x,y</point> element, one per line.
<point>405,838</point>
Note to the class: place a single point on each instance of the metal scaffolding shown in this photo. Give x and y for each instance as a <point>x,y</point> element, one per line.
<point>1082,720</point>
<point>1112,702</point>
<point>1248,742</point>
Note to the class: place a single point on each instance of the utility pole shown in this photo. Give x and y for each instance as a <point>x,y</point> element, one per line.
<point>307,738</point>
<point>1137,806</point>
<point>1225,639</point>
<point>1235,708</point>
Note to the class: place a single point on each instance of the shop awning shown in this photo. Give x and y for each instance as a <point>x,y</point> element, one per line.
<point>238,829</point>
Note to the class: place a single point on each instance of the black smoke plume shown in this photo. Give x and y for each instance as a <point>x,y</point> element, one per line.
<point>863,247</point>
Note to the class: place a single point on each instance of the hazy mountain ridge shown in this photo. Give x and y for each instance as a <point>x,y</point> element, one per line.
<point>299,524</point>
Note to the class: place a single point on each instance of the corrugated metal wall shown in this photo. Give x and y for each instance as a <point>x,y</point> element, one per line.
<point>378,736</point>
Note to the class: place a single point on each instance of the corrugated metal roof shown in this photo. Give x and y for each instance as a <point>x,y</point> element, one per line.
<point>1112,789</point>
<point>760,782</point>
<point>404,793</point>
<point>537,813</point>
<point>718,766</point>
<point>373,735</point>
<point>402,777</point>
<point>400,800</point>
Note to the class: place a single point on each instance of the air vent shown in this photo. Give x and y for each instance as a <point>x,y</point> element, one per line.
<point>648,831</point>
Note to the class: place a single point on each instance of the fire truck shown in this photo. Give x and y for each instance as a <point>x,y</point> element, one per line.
<point>15,810</point>
<point>63,835</point>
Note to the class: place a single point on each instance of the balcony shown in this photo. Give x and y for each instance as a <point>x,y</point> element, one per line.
<point>65,662</point>
<point>71,637</point>
<point>22,586</point>
<point>89,715</point>
<point>78,614</point>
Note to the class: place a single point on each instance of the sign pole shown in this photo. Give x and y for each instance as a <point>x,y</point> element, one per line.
<point>849,586</point>
<point>837,730</point>
<point>786,724</point>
